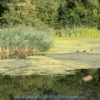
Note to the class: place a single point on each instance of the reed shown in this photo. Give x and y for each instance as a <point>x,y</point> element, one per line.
<point>79,32</point>
<point>21,40</point>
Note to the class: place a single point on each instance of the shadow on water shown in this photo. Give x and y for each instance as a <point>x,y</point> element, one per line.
<point>50,87</point>
<point>89,59</point>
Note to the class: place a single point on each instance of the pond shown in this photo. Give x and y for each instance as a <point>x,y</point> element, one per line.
<point>58,74</point>
<point>63,58</point>
<point>51,87</point>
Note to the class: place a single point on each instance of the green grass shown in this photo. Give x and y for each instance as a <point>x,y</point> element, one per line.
<point>79,32</point>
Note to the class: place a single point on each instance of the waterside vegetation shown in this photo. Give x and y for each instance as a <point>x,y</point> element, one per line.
<point>22,40</point>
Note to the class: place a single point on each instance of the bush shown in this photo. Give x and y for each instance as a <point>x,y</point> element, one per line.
<point>22,40</point>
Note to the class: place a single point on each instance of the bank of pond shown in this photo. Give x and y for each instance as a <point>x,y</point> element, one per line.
<point>85,84</point>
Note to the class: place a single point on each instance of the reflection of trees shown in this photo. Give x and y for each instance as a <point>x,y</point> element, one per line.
<point>98,72</point>
<point>55,85</point>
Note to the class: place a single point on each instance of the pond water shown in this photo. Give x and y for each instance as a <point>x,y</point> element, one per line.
<point>51,87</point>
<point>60,74</point>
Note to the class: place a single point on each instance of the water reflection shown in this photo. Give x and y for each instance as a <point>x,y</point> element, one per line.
<point>21,87</point>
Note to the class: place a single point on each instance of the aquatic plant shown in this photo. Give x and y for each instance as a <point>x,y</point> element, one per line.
<point>22,40</point>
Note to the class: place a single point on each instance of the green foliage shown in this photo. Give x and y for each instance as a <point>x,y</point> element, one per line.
<point>22,38</point>
<point>30,13</point>
<point>79,31</point>
<point>53,13</point>
<point>93,2</point>
<point>76,13</point>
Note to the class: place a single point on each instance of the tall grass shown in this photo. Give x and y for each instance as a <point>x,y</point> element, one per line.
<point>79,32</point>
<point>21,40</point>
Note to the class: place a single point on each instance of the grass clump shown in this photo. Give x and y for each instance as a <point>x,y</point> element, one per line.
<point>22,40</point>
<point>79,32</point>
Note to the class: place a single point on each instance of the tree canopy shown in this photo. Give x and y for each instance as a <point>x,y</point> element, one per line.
<point>52,13</point>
